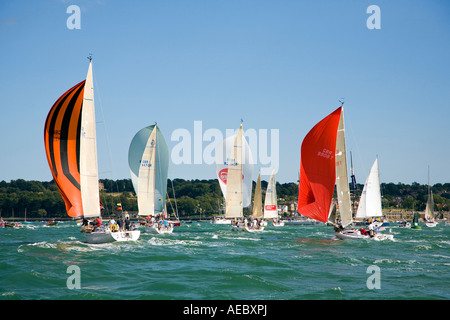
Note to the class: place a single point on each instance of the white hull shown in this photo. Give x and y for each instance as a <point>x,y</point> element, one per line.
<point>249,229</point>
<point>221,221</point>
<point>278,224</point>
<point>431,224</point>
<point>108,236</point>
<point>246,229</point>
<point>158,230</point>
<point>355,234</point>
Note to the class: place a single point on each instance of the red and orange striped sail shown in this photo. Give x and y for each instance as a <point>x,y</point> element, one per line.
<point>62,146</point>
<point>318,168</point>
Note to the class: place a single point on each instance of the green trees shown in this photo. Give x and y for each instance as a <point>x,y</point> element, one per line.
<point>193,197</point>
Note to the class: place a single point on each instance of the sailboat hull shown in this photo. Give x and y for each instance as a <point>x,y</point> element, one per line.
<point>107,236</point>
<point>355,234</point>
<point>156,230</point>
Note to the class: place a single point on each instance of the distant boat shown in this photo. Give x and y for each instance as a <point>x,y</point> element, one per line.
<point>270,203</point>
<point>257,224</point>
<point>429,208</point>
<point>148,159</point>
<point>71,149</point>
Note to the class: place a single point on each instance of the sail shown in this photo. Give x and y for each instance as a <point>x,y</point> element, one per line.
<point>370,202</point>
<point>223,151</point>
<point>270,202</point>
<point>429,208</point>
<point>257,200</point>
<point>148,159</point>
<point>318,168</point>
<point>234,196</point>
<point>342,187</point>
<point>69,137</point>
<point>88,152</point>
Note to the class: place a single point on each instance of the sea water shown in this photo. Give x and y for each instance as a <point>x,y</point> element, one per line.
<point>203,261</point>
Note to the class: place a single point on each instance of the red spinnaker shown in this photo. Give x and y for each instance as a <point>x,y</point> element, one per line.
<point>318,168</point>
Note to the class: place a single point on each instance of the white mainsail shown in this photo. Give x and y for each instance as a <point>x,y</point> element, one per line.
<point>222,158</point>
<point>146,177</point>
<point>342,187</point>
<point>370,202</point>
<point>233,204</point>
<point>270,202</point>
<point>88,152</point>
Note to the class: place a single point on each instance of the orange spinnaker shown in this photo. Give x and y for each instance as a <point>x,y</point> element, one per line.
<point>62,146</point>
<point>318,168</point>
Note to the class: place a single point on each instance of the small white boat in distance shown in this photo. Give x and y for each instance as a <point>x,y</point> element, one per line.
<point>220,220</point>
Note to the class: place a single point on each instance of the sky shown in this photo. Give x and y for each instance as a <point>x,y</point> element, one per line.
<point>198,67</point>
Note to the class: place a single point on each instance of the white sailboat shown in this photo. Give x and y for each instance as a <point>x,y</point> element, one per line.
<point>270,203</point>
<point>71,147</point>
<point>257,224</point>
<point>223,159</point>
<point>369,207</point>
<point>429,208</point>
<point>235,186</point>
<point>148,159</point>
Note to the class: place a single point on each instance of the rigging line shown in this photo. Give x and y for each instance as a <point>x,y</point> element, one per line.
<point>100,104</point>
<point>354,141</point>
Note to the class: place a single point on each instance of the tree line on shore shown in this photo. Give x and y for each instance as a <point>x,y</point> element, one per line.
<point>37,199</point>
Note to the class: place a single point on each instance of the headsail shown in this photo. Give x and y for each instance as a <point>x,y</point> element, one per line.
<point>70,144</point>
<point>370,202</point>
<point>257,200</point>
<point>148,159</point>
<point>270,202</point>
<point>429,208</point>
<point>318,168</point>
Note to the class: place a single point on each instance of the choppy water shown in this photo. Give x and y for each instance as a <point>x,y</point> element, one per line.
<point>201,261</point>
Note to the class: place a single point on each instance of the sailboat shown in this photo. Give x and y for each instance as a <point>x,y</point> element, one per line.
<point>323,163</point>
<point>369,207</point>
<point>257,223</point>
<point>71,149</point>
<point>270,203</point>
<point>148,159</point>
<point>235,181</point>
<point>429,208</point>
<point>234,168</point>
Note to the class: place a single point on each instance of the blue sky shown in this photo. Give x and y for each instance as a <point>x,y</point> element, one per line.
<point>281,65</point>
